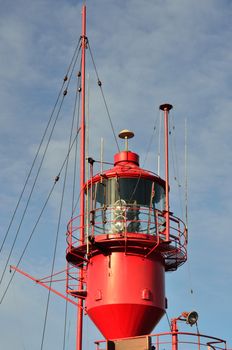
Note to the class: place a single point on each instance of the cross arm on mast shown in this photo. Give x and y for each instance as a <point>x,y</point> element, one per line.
<point>43,285</point>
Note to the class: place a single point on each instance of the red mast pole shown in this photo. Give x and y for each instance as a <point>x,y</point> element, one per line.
<point>166,108</point>
<point>174,334</point>
<point>82,175</point>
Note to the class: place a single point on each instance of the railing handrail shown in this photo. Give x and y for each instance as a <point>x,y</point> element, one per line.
<point>177,228</point>
<point>208,339</point>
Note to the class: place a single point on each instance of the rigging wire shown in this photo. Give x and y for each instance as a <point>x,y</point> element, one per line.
<point>186,176</point>
<point>68,337</point>
<point>29,198</point>
<point>186,203</point>
<point>145,159</point>
<point>159,144</point>
<point>76,144</point>
<point>53,265</point>
<point>75,108</point>
<point>75,165</point>
<point>77,201</point>
<point>175,162</point>
<point>38,171</point>
<point>57,233</point>
<point>39,217</point>
<point>28,241</point>
<point>65,322</point>
<point>135,187</point>
<point>74,206</point>
<point>40,145</point>
<point>169,323</point>
<point>30,171</point>
<point>103,96</point>
<point>190,278</point>
<point>150,141</point>
<point>30,194</point>
<point>20,330</point>
<point>185,190</point>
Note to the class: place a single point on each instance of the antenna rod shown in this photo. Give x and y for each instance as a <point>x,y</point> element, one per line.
<point>186,178</point>
<point>166,108</point>
<point>158,158</point>
<point>82,175</point>
<point>102,151</point>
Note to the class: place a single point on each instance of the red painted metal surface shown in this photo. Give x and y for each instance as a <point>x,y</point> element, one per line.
<point>82,176</point>
<point>123,257</point>
<point>126,257</point>
<point>186,340</point>
<point>125,157</point>
<point>126,164</point>
<point>166,108</point>
<point>43,284</point>
<point>126,294</point>
<point>174,334</point>
<point>175,254</point>
<point>82,148</point>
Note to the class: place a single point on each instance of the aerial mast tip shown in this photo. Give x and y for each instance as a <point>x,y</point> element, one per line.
<point>126,135</point>
<point>166,107</point>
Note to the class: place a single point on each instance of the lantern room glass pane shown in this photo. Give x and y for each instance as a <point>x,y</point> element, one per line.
<point>119,205</point>
<point>132,190</point>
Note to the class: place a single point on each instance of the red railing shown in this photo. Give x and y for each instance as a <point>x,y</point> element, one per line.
<point>73,280</point>
<point>185,341</point>
<point>125,220</point>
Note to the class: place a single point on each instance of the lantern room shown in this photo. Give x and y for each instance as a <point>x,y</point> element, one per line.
<point>124,199</point>
<point>123,204</point>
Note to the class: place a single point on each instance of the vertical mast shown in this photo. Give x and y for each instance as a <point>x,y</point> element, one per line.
<point>82,175</point>
<point>82,150</point>
<point>166,108</point>
<point>174,331</point>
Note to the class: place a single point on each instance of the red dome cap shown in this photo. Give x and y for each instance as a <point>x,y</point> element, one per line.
<point>126,157</point>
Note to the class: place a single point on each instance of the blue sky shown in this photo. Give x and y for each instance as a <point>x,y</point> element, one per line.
<point>147,53</point>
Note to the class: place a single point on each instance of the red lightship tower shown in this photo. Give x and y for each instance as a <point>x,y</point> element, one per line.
<point>121,244</point>
<point>124,240</point>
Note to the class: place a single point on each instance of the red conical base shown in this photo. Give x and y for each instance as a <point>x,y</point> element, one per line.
<point>125,320</point>
<point>125,294</point>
